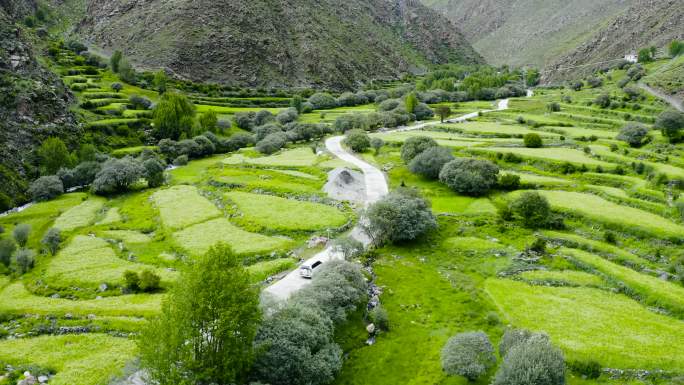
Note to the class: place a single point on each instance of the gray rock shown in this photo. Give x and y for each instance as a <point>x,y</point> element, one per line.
<point>42,379</point>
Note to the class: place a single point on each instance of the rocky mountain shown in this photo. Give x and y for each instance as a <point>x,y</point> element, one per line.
<point>34,105</point>
<point>278,42</point>
<point>528,32</point>
<point>646,23</point>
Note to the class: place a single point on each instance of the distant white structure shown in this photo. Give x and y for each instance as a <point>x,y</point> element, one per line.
<point>632,57</point>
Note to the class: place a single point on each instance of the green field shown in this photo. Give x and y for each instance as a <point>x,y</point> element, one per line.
<point>182,206</point>
<point>560,154</point>
<point>577,320</point>
<point>567,277</point>
<point>277,213</point>
<point>299,157</point>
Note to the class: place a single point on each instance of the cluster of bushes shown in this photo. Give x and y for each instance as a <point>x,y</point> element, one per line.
<point>467,176</point>
<point>16,257</point>
<point>528,358</point>
<point>634,134</point>
<point>477,82</point>
<point>295,343</point>
<point>145,282</point>
<point>180,152</point>
<point>671,124</point>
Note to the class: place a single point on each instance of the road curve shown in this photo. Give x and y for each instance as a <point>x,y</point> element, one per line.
<point>376,188</point>
<point>673,101</point>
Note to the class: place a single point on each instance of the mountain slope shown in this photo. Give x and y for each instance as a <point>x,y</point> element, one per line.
<point>528,32</point>
<point>646,23</point>
<point>278,42</point>
<point>34,105</point>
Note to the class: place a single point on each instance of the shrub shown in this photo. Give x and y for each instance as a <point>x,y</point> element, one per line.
<point>376,144</point>
<point>532,208</point>
<point>388,105</point>
<point>602,101</point>
<point>322,101</point>
<point>553,107</point>
<point>509,182</point>
<point>245,120</point>
<point>7,249</point>
<point>52,239</point>
<point>676,48</point>
<point>209,121</point>
<point>139,102</point>
<point>117,175</point>
<point>431,161</point>
<point>205,146</point>
<point>538,246</point>
<point>400,216</point>
<point>23,261</point>
<point>589,369</point>
<point>21,234</point>
<point>379,317</point>
<point>46,188</point>
<point>444,112</point>
<point>131,280</point>
<point>469,176</point>
<point>173,116</point>
<point>84,174</point>
<point>469,355</point>
<point>357,140</point>
<point>149,281</point>
<point>349,247</point>
<point>595,82</point>
<point>577,85</point>
<point>262,132</point>
<point>532,362</point>
<point>671,123</point>
<point>116,87</point>
<point>181,160</point>
<point>633,134</point>
<point>414,146</point>
<point>262,117</point>
<point>154,172</point>
<point>272,143</point>
<point>287,116</point>
<point>423,112</point>
<point>533,140</point>
<point>115,60</point>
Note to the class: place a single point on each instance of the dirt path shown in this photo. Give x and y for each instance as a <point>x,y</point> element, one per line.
<point>673,101</point>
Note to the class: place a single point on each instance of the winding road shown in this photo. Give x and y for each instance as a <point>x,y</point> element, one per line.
<point>376,188</point>
<point>674,102</point>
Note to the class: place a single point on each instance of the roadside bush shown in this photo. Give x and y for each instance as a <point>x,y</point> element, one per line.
<point>21,234</point>
<point>23,261</point>
<point>272,143</point>
<point>509,182</point>
<point>357,140</point>
<point>46,188</point>
<point>401,216</point>
<point>469,176</point>
<point>469,355</point>
<point>430,162</point>
<point>533,140</point>
<point>379,317</point>
<point>304,132</point>
<point>532,362</point>
<point>415,146</point>
<point>423,112</point>
<point>671,123</point>
<point>532,209</point>
<point>347,122</point>
<point>349,247</point>
<point>239,141</point>
<point>633,134</point>
<point>322,101</point>
<point>117,175</point>
<point>52,239</point>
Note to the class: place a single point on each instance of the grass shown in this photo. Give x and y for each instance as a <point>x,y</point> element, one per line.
<point>567,277</point>
<point>556,154</point>
<point>19,301</point>
<point>538,180</point>
<point>652,290</point>
<point>624,217</point>
<point>127,236</point>
<point>592,324</point>
<point>111,216</point>
<point>270,180</point>
<point>199,238</point>
<point>262,270</point>
<point>80,216</point>
<point>613,252</point>
<point>297,157</point>
<point>471,243</point>
<point>87,359</point>
<point>442,138</point>
<point>277,213</point>
<point>183,206</point>
<point>87,262</point>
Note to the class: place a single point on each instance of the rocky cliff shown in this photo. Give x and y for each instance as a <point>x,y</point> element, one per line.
<point>278,42</point>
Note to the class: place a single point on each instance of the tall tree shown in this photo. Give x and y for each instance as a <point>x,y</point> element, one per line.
<point>411,102</point>
<point>173,116</point>
<point>160,81</point>
<point>206,330</point>
<point>115,60</point>
<point>53,155</point>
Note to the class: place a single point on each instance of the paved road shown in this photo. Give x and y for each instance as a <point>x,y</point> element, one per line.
<point>674,102</point>
<point>376,188</point>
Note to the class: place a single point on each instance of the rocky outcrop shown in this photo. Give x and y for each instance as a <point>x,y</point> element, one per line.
<point>34,105</point>
<point>319,43</point>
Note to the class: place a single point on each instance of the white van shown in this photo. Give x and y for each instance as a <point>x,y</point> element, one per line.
<point>309,268</point>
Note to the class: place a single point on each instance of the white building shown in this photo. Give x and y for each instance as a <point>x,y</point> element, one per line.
<point>632,57</point>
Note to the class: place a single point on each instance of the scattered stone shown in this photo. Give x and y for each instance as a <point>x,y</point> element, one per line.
<point>370,328</point>
<point>42,379</point>
<point>103,287</point>
<point>316,241</point>
<point>56,295</point>
<point>68,316</point>
<point>92,316</point>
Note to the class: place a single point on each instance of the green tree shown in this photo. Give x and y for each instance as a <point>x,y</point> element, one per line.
<point>400,216</point>
<point>21,234</point>
<point>533,361</point>
<point>444,112</point>
<point>533,140</point>
<point>117,175</point>
<point>154,172</point>
<point>117,87</point>
<point>127,72</point>
<point>173,116</point>
<point>357,140</point>
<point>645,55</point>
<point>377,144</point>
<point>53,155</point>
<point>414,146</point>
<point>469,355</point>
<point>115,60</point>
<point>52,239</point>
<point>209,121</point>
<point>297,103</point>
<point>7,249</point>
<point>46,188</point>
<point>532,208</point>
<point>676,48</point>
<point>633,134</point>
<point>411,102</point>
<point>160,81</point>
<point>431,161</point>
<point>671,123</point>
<point>205,333</point>
<point>470,176</point>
